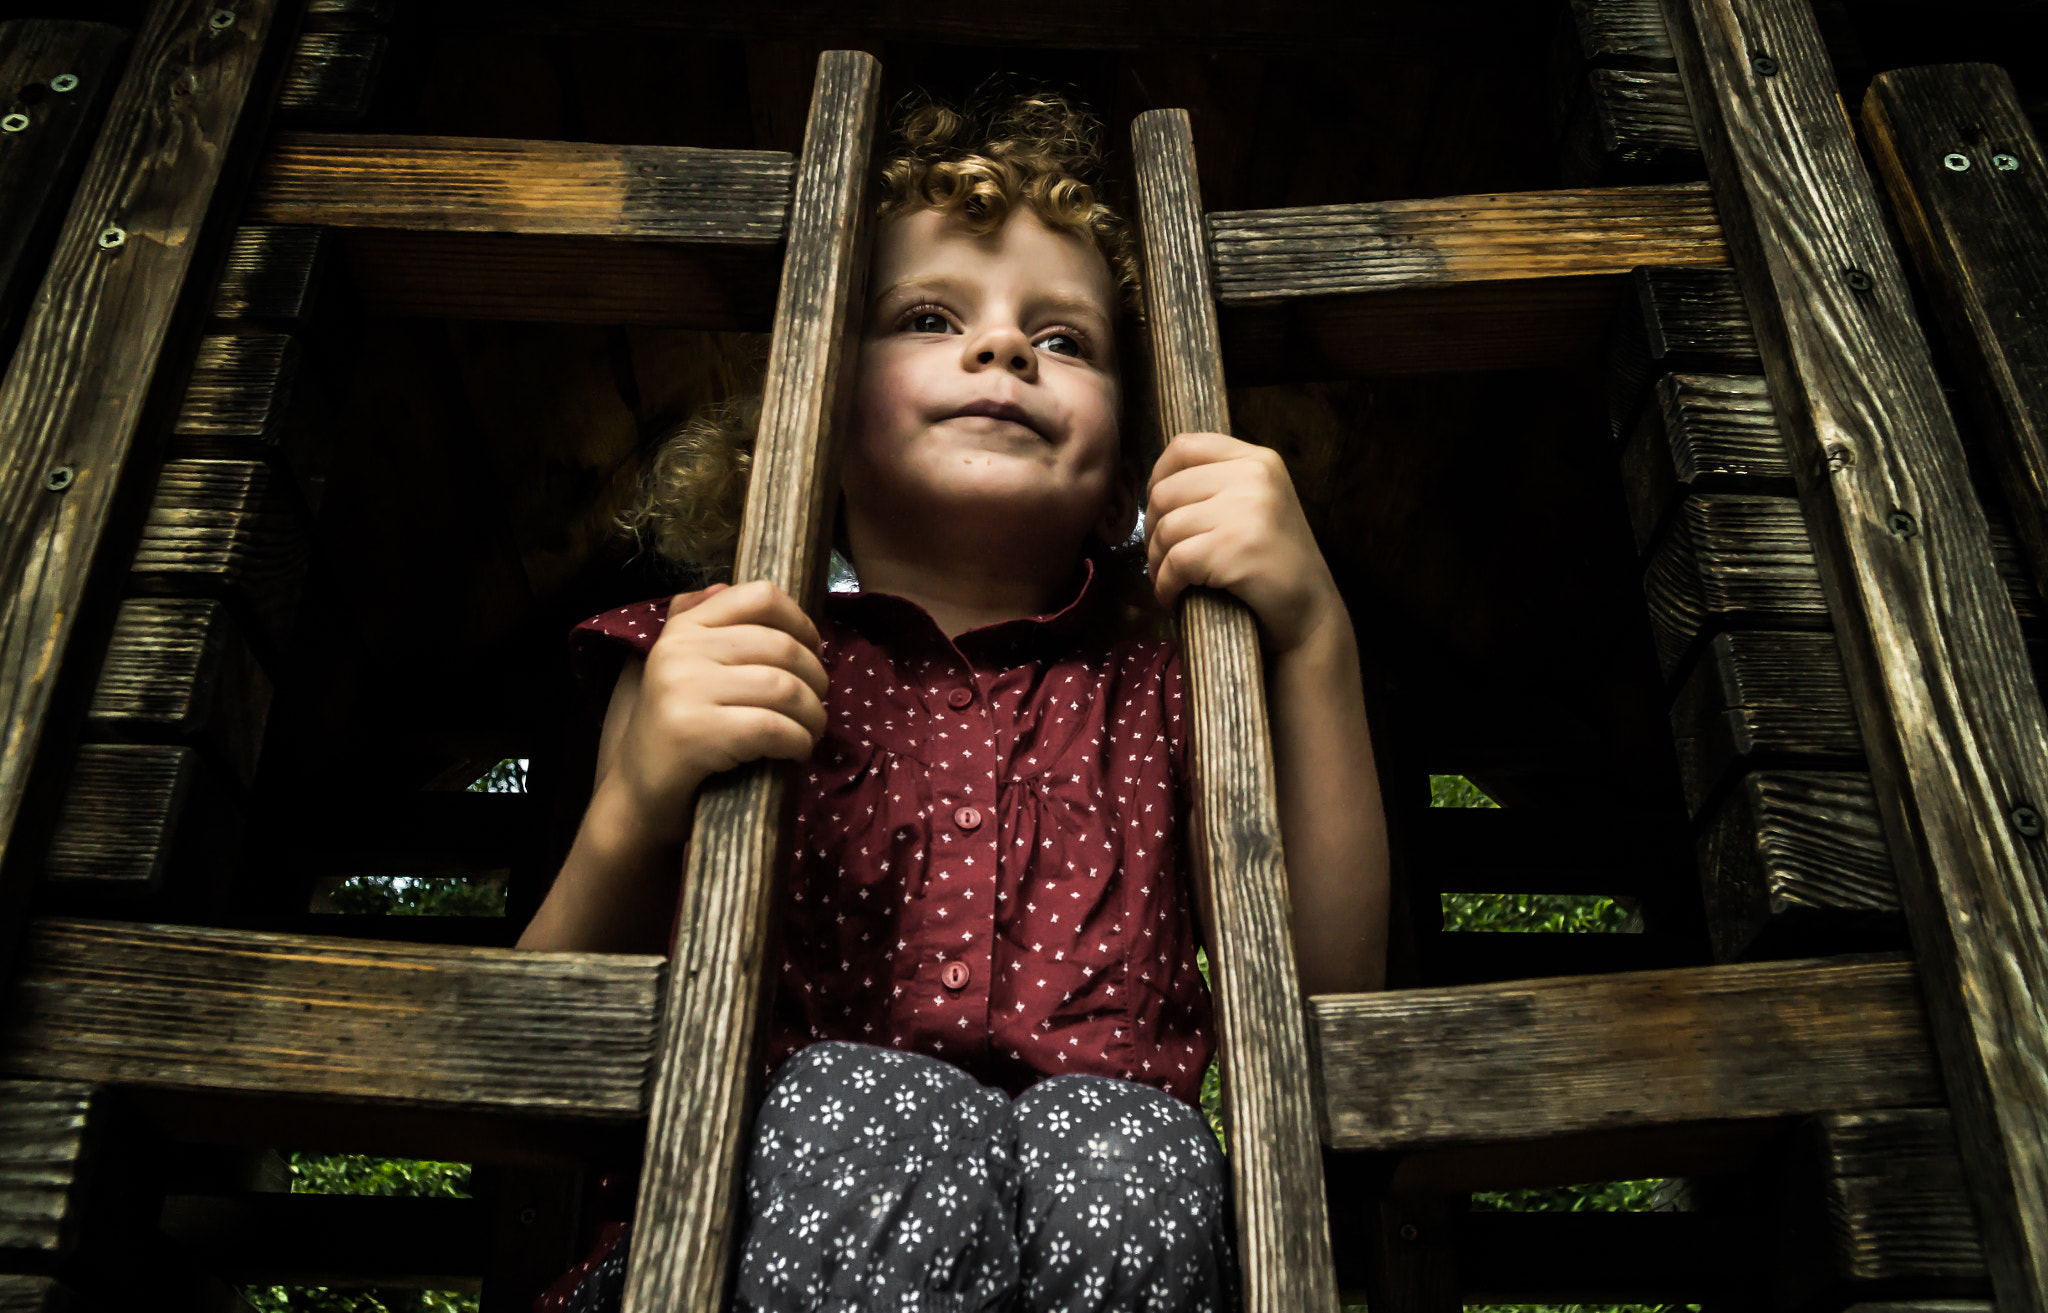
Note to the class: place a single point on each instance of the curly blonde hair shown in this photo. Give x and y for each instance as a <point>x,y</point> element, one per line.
<point>980,162</point>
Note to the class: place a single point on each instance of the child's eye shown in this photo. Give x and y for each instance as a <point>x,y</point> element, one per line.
<point>1065,344</point>
<point>926,321</point>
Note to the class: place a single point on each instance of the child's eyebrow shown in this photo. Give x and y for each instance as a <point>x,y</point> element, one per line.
<point>1062,302</point>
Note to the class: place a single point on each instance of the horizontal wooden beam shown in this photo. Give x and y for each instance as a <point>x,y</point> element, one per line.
<point>477,1030</point>
<point>1420,1069</point>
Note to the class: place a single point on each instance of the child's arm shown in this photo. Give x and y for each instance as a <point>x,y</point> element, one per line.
<point>1223,514</point>
<point>733,677</point>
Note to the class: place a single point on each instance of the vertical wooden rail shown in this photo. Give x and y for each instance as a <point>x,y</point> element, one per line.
<point>1954,728</point>
<point>72,406</point>
<point>1969,182</point>
<point>1275,1150</point>
<point>718,973</point>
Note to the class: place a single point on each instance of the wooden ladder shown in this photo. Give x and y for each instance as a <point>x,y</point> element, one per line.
<point>185,568</point>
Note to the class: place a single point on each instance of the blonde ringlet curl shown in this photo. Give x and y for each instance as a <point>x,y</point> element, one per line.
<point>978,162</point>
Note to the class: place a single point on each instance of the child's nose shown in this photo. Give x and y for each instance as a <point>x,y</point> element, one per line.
<point>1004,349</point>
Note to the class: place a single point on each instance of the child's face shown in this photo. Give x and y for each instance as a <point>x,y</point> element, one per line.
<point>988,391</point>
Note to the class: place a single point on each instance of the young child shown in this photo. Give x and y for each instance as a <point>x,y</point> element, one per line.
<point>989,1031</point>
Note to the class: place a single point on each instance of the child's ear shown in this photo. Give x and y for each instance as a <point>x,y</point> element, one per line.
<point>1121,514</point>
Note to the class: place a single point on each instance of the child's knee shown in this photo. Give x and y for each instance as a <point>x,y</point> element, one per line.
<point>834,1096</point>
<point>1113,1129</point>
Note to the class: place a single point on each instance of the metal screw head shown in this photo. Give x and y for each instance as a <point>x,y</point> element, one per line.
<point>1408,1231</point>
<point>2027,821</point>
<point>14,123</point>
<point>1956,162</point>
<point>2005,163</point>
<point>528,1216</point>
<point>1764,65</point>
<point>222,20</point>
<point>1901,524</point>
<point>1858,280</point>
<point>64,82</point>
<point>1840,456</point>
<point>59,479</point>
<point>111,237</point>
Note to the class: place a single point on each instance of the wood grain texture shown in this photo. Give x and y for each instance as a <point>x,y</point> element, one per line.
<point>1762,697</point>
<point>225,528</point>
<point>1726,559</point>
<point>1630,127</point>
<point>1679,321</point>
<point>1622,33</point>
<point>241,384</point>
<point>40,164</point>
<point>1794,863</point>
<point>476,1030</point>
<point>1702,433</point>
<point>142,825</point>
<point>715,1013</point>
<point>32,1294</point>
<point>332,79</point>
<point>1282,1228</point>
<point>1979,238</point>
<point>492,185</point>
<point>75,390</point>
<point>1897,1205</point>
<point>1950,714</point>
<point>1496,1063</point>
<point>179,670</point>
<point>48,1132</point>
<point>273,273</point>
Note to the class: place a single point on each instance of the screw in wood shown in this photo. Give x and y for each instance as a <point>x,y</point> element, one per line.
<point>64,82</point>
<point>1956,162</point>
<point>1901,524</point>
<point>1764,65</point>
<point>59,479</point>
<point>1840,456</point>
<point>112,237</point>
<point>1858,280</point>
<point>222,19</point>
<point>1409,1232</point>
<point>2027,821</point>
<point>14,123</point>
<point>2005,163</point>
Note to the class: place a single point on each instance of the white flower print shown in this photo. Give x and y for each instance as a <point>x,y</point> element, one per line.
<point>830,1113</point>
<point>910,1231</point>
<point>1059,1121</point>
<point>1061,1251</point>
<point>1063,1182</point>
<point>810,1224</point>
<point>864,1079</point>
<point>777,1269</point>
<point>947,1196</point>
<point>1098,1217</point>
<point>905,1102</point>
<point>1094,1284</point>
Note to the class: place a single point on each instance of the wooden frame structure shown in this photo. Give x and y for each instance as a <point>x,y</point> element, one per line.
<point>512,1058</point>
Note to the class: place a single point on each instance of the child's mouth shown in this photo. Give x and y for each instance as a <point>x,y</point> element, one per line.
<point>1009,411</point>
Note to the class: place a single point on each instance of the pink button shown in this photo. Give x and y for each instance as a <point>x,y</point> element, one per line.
<point>955,976</point>
<point>968,818</point>
<point>959,699</point>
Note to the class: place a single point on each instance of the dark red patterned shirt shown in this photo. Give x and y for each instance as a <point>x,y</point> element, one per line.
<point>988,843</point>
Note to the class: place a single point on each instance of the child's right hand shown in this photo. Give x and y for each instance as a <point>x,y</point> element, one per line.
<point>733,677</point>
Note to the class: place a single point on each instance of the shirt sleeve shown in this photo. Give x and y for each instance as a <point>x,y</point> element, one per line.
<point>599,645</point>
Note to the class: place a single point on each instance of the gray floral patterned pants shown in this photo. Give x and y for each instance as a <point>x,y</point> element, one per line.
<point>883,1180</point>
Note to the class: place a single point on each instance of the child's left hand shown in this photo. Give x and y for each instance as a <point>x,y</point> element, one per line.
<point>1223,514</point>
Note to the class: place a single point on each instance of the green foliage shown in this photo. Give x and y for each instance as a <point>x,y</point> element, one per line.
<point>408,895</point>
<point>327,1299</point>
<point>355,1173</point>
<point>508,776</point>
<point>1532,912</point>
<point>1605,1197</point>
<point>1456,791</point>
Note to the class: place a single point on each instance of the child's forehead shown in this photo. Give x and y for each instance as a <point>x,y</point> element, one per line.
<point>929,248</point>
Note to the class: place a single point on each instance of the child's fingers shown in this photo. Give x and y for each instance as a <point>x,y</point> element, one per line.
<point>1192,485</point>
<point>1187,450</point>
<point>755,733</point>
<point>760,645</point>
<point>1187,564</point>
<point>772,689</point>
<point>682,602</point>
<point>1176,527</point>
<point>757,603</point>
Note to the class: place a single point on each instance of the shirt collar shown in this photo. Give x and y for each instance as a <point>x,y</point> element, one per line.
<point>889,619</point>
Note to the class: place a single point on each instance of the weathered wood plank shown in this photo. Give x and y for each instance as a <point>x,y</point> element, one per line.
<point>1897,1204</point>
<point>1486,1064</point>
<point>74,395</point>
<point>1473,957</point>
<point>476,1030</point>
<point>43,150</point>
<point>49,1131</point>
<point>332,79</point>
<point>1630,126</point>
<point>1794,863</point>
<point>31,1294</point>
<point>1622,33</point>
<point>1951,718</point>
<point>1283,1230</point>
<point>225,528</point>
<point>711,1029</point>
<point>1680,321</point>
<point>349,15</point>
<point>1979,237</point>
<point>141,825</point>
<point>273,273</point>
<point>1762,697</point>
<point>1702,433</point>
<point>179,670</point>
<point>252,395</point>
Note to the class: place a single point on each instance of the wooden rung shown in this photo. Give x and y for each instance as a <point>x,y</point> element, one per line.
<point>225,528</point>
<point>1507,850</point>
<point>266,1238</point>
<point>139,821</point>
<point>32,1294</point>
<point>332,79</point>
<point>241,384</point>
<point>1490,1064</point>
<point>178,670</point>
<point>272,273</point>
<point>1796,863</point>
<point>349,15</point>
<point>1762,697</point>
<point>1897,1206</point>
<point>1630,126</point>
<point>1701,433</point>
<point>1679,321</point>
<point>49,1133</point>
<point>1472,957</point>
<point>479,1031</point>
<point>1463,282</point>
<point>1622,33</point>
